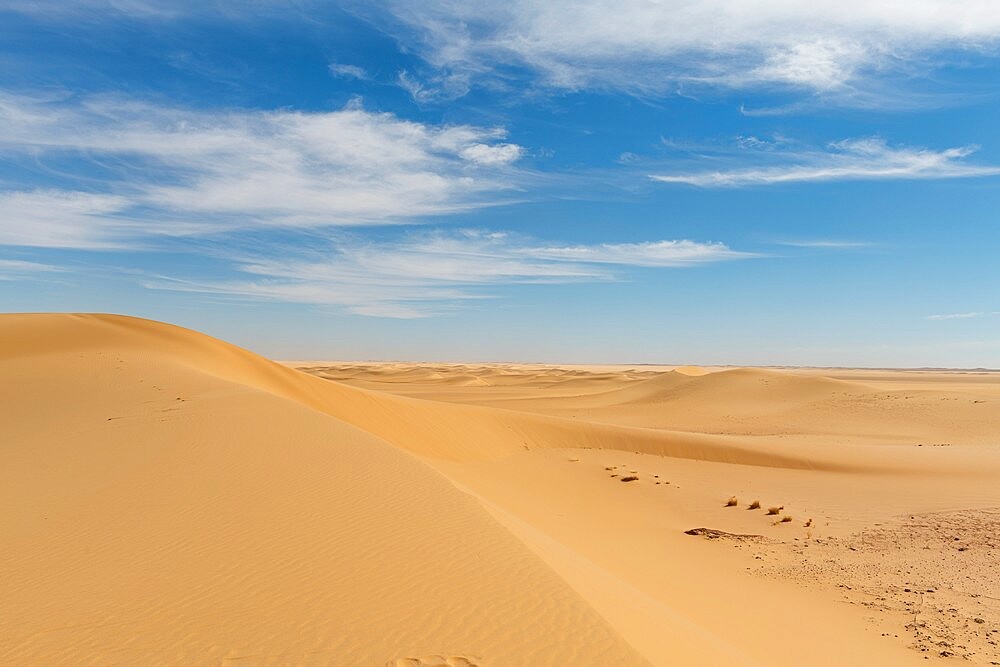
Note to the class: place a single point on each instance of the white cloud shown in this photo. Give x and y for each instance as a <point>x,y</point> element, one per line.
<point>347,71</point>
<point>191,172</point>
<point>844,48</point>
<point>855,159</point>
<point>439,88</point>
<point>824,64</point>
<point>430,272</point>
<point>648,46</point>
<point>16,269</point>
<point>59,219</point>
<point>955,316</point>
<point>492,154</point>
<point>650,253</point>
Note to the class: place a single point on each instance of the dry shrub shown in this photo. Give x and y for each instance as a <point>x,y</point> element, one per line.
<point>755,505</point>
<point>732,502</point>
<point>629,478</point>
<point>771,511</point>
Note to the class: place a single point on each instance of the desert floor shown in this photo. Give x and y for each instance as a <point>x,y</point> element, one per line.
<point>170,498</point>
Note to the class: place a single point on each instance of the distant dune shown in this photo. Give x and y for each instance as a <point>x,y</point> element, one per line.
<point>171,498</point>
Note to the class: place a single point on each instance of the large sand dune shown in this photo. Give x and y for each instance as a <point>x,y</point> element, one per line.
<point>165,501</point>
<point>170,498</point>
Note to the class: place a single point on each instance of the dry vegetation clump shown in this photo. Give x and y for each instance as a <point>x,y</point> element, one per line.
<point>772,511</point>
<point>755,505</point>
<point>809,523</point>
<point>786,519</point>
<point>630,478</point>
<point>732,502</point>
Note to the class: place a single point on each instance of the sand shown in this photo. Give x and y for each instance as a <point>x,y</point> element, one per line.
<point>172,499</point>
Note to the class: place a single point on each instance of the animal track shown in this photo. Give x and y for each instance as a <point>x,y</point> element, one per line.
<point>437,661</point>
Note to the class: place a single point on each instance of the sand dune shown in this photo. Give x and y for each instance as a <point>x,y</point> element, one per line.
<point>166,503</point>
<point>171,498</point>
<point>854,407</point>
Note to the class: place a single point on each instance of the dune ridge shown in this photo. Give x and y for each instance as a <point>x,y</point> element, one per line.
<point>169,516</point>
<point>440,430</point>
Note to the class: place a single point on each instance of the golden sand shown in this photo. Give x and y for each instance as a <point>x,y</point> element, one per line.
<point>170,498</point>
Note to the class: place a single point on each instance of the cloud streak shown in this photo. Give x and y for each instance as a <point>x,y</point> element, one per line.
<point>957,316</point>
<point>850,160</point>
<point>63,219</point>
<point>427,273</point>
<point>347,71</point>
<point>169,171</point>
<point>16,269</point>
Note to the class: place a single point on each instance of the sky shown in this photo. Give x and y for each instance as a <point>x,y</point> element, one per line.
<point>762,182</point>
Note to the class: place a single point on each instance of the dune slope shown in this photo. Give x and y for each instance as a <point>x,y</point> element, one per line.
<point>161,506</point>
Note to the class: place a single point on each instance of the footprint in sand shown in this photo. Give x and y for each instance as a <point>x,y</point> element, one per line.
<point>437,661</point>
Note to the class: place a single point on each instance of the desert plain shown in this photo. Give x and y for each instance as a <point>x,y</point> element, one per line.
<point>169,498</point>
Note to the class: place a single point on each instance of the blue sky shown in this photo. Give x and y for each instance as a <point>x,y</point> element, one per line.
<point>765,182</point>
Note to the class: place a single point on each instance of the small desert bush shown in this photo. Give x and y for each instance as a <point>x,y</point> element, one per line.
<point>773,510</point>
<point>629,478</point>
<point>755,505</point>
<point>732,502</point>
<point>786,519</point>
<point>809,523</point>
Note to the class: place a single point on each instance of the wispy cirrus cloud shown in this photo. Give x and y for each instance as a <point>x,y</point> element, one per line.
<point>437,88</point>
<point>649,254</point>
<point>869,158</point>
<point>131,170</point>
<point>348,71</point>
<point>65,219</point>
<point>957,316</point>
<point>826,47</point>
<point>426,273</point>
<point>16,269</point>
